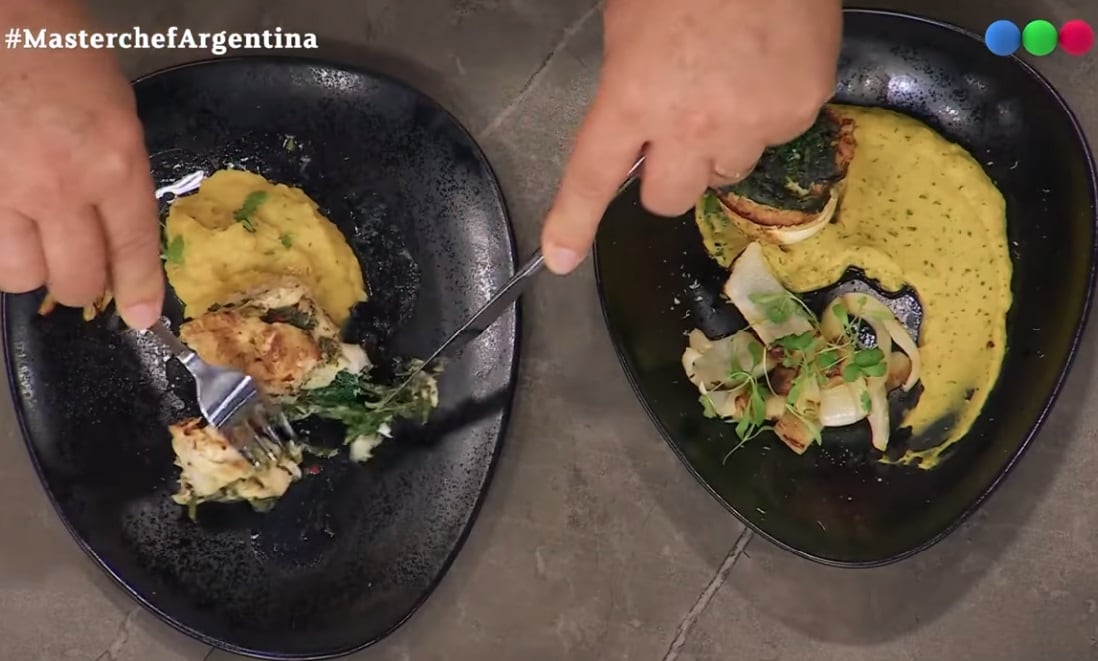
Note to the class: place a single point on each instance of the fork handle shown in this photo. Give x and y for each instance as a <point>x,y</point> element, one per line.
<point>168,339</point>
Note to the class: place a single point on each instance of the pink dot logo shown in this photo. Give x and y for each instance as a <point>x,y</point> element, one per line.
<point>1076,37</point>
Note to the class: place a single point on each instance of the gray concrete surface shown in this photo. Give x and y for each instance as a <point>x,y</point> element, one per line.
<point>594,544</point>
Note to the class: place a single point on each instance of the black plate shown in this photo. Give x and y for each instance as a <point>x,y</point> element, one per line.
<point>348,554</point>
<point>834,505</point>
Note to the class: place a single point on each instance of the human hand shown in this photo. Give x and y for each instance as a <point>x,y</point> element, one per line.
<point>702,87</point>
<point>77,211</point>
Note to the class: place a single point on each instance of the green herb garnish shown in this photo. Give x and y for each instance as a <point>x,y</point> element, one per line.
<point>867,363</point>
<point>366,407</point>
<point>707,406</point>
<point>827,360</point>
<point>810,357</point>
<point>752,422</point>
<point>286,239</point>
<point>243,215</point>
<point>756,351</point>
<point>172,251</point>
<point>800,342</point>
<point>838,310</point>
<point>779,308</point>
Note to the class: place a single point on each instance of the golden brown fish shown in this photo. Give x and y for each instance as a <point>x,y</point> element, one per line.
<point>276,334</point>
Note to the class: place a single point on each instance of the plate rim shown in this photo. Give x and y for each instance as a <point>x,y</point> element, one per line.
<point>1080,326</point>
<point>516,312</point>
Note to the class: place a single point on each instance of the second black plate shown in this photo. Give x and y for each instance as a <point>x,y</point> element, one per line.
<point>836,506</point>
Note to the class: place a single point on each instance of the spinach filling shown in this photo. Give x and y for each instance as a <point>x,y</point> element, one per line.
<point>798,175</point>
<point>364,406</point>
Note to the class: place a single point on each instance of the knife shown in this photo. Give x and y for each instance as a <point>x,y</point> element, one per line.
<point>501,301</point>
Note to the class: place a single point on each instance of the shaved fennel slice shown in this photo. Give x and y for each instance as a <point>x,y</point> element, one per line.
<point>793,373</point>
<point>842,404</point>
<point>770,309</point>
<point>879,423</point>
<point>717,367</point>
<point>708,363</point>
<point>878,413</point>
<point>726,403</point>
<point>885,326</point>
<point>887,330</point>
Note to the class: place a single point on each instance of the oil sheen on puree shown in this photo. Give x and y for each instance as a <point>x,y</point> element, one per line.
<point>917,210</point>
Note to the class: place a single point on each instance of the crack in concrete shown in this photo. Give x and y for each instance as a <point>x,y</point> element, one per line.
<point>120,638</point>
<point>209,654</point>
<point>692,615</point>
<point>539,73</point>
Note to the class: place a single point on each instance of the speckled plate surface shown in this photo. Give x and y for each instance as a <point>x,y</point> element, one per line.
<point>836,503</point>
<point>349,553</point>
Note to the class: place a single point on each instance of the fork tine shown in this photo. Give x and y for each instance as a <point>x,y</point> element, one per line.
<point>232,402</point>
<point>243,439</point>
<point>271,444</point>
<point>249,452</point>
<point>258,441</point>
<point>274,425</point>
<point>260,421</point>
<point>284,424</point>
<point>271,447</point>
<point>268,432</point>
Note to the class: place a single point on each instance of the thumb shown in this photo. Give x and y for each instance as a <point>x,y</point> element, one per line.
<point>606,148</point>
<point>133,249</point>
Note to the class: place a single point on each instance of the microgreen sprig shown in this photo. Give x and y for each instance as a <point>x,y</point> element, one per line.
<point>810,355</point>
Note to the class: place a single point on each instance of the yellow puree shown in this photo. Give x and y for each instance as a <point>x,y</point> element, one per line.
<point>220,258</point>
<point>917,210</point>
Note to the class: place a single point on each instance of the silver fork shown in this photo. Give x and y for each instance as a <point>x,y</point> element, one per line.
<point>231,402</point>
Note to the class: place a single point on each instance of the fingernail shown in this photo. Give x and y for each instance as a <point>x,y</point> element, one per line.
<point>561,260</point>
<point>141,316</point>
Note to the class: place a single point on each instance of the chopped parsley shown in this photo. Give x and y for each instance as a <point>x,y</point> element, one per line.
<point>286,239</point>
<point>172,251</point>
<point>244,214</point>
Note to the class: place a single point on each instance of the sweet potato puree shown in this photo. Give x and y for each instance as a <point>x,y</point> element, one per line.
<point>239,231</point>
<point>917,210</point>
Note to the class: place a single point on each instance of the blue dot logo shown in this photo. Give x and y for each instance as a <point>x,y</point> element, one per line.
<point>1003,38</point>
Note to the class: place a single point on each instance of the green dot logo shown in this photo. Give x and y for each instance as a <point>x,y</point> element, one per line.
<point>1039,38</point>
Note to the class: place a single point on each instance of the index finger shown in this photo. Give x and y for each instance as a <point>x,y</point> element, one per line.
<point>132,229</point>
<point>606,148</point>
